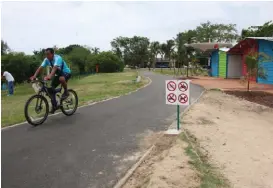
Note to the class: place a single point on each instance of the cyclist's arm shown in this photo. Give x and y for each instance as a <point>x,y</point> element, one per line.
<point>53,71</point>
<point>44,64</point>
<point>38,71</point>
<point>57,65</point>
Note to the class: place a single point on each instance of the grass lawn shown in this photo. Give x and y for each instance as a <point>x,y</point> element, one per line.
<point>89,89</point>
<point>182,72</point>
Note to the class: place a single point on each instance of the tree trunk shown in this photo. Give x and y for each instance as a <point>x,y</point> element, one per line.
<point>248,84</point>
<point>173,67</point>
<point>170,63</point>
<point>154,62</point>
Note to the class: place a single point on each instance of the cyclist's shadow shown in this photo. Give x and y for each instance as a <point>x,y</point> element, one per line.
<point>57,121</point>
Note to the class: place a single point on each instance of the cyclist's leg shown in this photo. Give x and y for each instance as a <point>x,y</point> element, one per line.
<point>63,80</point>
<point>56,79</point>
<point>54,84</point>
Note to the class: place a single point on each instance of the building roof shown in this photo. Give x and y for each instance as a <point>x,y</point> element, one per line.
<point>207,46</point>
<point>261,38</point>
<point>241,46</point>
<point>224,49</point>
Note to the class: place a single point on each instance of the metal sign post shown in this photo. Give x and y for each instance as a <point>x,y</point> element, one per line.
<point>177,93</point>
<point>178,117</point>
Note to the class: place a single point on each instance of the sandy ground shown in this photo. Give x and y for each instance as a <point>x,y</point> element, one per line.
<point>237,136</point>
<point>166,167</point>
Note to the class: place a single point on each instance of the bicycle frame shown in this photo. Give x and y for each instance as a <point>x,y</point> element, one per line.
<point>51,92</point>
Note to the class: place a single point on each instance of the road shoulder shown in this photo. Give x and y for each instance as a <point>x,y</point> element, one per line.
<point>224,144</point>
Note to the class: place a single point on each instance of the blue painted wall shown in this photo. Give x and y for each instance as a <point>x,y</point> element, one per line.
<point>215,63</point>
<point>267,48</point>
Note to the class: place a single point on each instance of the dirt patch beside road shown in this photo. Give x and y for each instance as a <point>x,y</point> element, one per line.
<point>228,144</point>
<point>237,136</point>
<point>260,97</point>
<point>167,166</point>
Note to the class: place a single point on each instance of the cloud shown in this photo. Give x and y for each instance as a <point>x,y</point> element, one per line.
<point>27,26</point>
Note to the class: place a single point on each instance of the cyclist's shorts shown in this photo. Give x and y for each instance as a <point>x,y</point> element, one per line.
<point>55,80</point>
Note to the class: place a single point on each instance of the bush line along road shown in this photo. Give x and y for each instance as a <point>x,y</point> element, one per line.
<point>94,147</point>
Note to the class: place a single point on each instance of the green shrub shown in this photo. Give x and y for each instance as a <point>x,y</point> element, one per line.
<point>108,62</point>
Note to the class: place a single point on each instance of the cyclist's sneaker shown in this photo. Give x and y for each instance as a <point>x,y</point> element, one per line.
<point>52,111</point>
<point>65,95</point>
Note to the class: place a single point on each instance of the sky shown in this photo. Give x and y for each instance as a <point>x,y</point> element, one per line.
<point>29,26</point>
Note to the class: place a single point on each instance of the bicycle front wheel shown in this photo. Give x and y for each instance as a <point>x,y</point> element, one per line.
<point>70,104</point>
<point>36,110</point>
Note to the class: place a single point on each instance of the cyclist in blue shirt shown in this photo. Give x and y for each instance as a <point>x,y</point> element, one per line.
<point>60,72</point>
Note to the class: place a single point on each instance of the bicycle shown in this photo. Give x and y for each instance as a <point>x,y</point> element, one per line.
<point>41,89</point>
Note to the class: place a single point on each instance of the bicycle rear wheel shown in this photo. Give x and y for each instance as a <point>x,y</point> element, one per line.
<point>70,104</point>
<point>39,105</point>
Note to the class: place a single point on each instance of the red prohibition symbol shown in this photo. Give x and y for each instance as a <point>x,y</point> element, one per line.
<point>171,86</point>
<point>183,98</point>
<point>171,97</point>
<point>183,86</point>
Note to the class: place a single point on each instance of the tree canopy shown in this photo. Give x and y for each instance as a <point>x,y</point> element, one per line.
<point>265,30</point>
<point>132,51</point>
<point>4,47</point>
<point>216,32</point>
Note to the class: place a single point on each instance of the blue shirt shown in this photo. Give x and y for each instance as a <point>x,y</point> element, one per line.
<point>57,61</point>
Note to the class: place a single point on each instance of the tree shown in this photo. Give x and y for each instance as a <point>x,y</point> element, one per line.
<point>95,50</point>
<point>173,59</point>
<point>266,30</point>
<point>185,53</point>
<point>154,51</point>
<point>169,48</point>
<point>133,51</point>
<point>163,50</point>
<point>120,47</point>
<point>216,32</point>
<point>139,50</point>
<point>253,68</point>
<point>21,66</point>
<point>40,55</point>
<point>107,61</point>
<point>68,49</point>
<point>4,48</point>
<point>78,57</point>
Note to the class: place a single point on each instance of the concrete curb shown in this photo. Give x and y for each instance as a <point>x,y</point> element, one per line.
<point>129,173</point>
<point>93,103</point>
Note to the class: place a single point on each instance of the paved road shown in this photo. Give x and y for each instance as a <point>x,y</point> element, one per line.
<point>85,150</point>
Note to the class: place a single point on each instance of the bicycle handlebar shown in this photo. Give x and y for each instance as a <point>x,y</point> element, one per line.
<point>37,80</point>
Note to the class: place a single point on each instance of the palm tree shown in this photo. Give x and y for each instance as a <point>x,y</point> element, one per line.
<point>169,49</point>
<point>173,59</point>
<point>154,50</point>
<point>95,50</point>
<point>163,50</point>
<point>253,59</point>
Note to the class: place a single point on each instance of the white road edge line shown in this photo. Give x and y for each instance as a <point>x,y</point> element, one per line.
<point>91,104</point>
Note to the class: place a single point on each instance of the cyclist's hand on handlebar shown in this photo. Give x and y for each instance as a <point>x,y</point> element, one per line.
<point>48,77</point>
<point>32,78</point>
